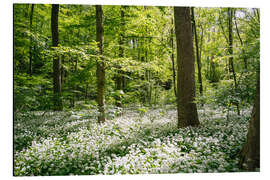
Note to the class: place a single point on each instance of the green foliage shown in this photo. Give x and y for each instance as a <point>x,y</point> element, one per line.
<point>31,93</point>
<point>138,51</point>
<point>144,64</point>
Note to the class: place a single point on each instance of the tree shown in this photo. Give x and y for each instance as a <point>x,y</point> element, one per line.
<point>197,51</point>
<point>119,77</point>
<point>241,42</point>
<point>231,63</point>
<point>30,47</point>
<point>56,60</point>
<point>187,109</point>
<point>250,153</point>
<point>100,64</point>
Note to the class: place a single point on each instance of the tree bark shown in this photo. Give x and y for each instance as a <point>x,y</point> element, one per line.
<point>56,60</point>
<point>201,41</point>
<point>230,15</point>
<point>119,76</point>
<point>100,64</point>
<point>231,45</point>
<point>187,109</point>
<point>197,52</point>
<point>250,153</point>
<point>30,47</point>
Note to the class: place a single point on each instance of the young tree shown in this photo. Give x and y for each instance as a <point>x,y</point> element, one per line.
<point>119,77</point>
<point>241,42</point>
<point>250,153</point>
<point>187,109</point>
<point>30,47</point>
<point>231,63</point>
<point>197,51</point>
<point>230,26</point>
<point>100,64</point>
<point>56,60</point>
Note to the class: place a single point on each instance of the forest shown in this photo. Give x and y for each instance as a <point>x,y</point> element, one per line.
<point>118,89</point>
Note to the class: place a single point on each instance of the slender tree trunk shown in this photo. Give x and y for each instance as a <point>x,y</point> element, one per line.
<point>197,52</point>
<point>187,109</point>
<point>231,45</point>
<point>201,41</point>
<point>149,75</point>
<point>119,76</point>
<point>250,153</point>
<point>172,58</point>
<point>30,47</point>
<point>240,39</point>
<point>56,60</point>
<point>74,85</point>
<point>100,64</point>
<point>71,88</point>
<point>230,15</point>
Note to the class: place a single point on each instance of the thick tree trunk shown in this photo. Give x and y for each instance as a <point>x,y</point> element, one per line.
<point>250,153</point>
<point>56,61</point>
<point>187,109</point>
<point>100,64</point>
<point>197,53</point>
<point>30,47</point>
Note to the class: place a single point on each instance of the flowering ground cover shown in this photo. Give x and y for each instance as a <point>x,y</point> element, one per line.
<point>131,141</point>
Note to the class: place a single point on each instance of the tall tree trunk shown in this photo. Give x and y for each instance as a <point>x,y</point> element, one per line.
<point>30,47</point>
<point>240,39</point>
<point>230,15</point>
<point>74,85</point>
<point>148,74</point>
<point>250,153</point>
<point>197,52</point>
<point>187,109</point>
<point>201,41</point>
<point>172,58</point>
<point>56,60</point>
<point>100,64</point>
<point>212,65</point>
<point>119,76</point>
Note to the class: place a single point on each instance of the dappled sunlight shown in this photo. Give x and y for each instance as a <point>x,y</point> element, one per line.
<point>137,89</point>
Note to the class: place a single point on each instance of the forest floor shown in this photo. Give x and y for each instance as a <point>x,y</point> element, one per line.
<point>131,141</point>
